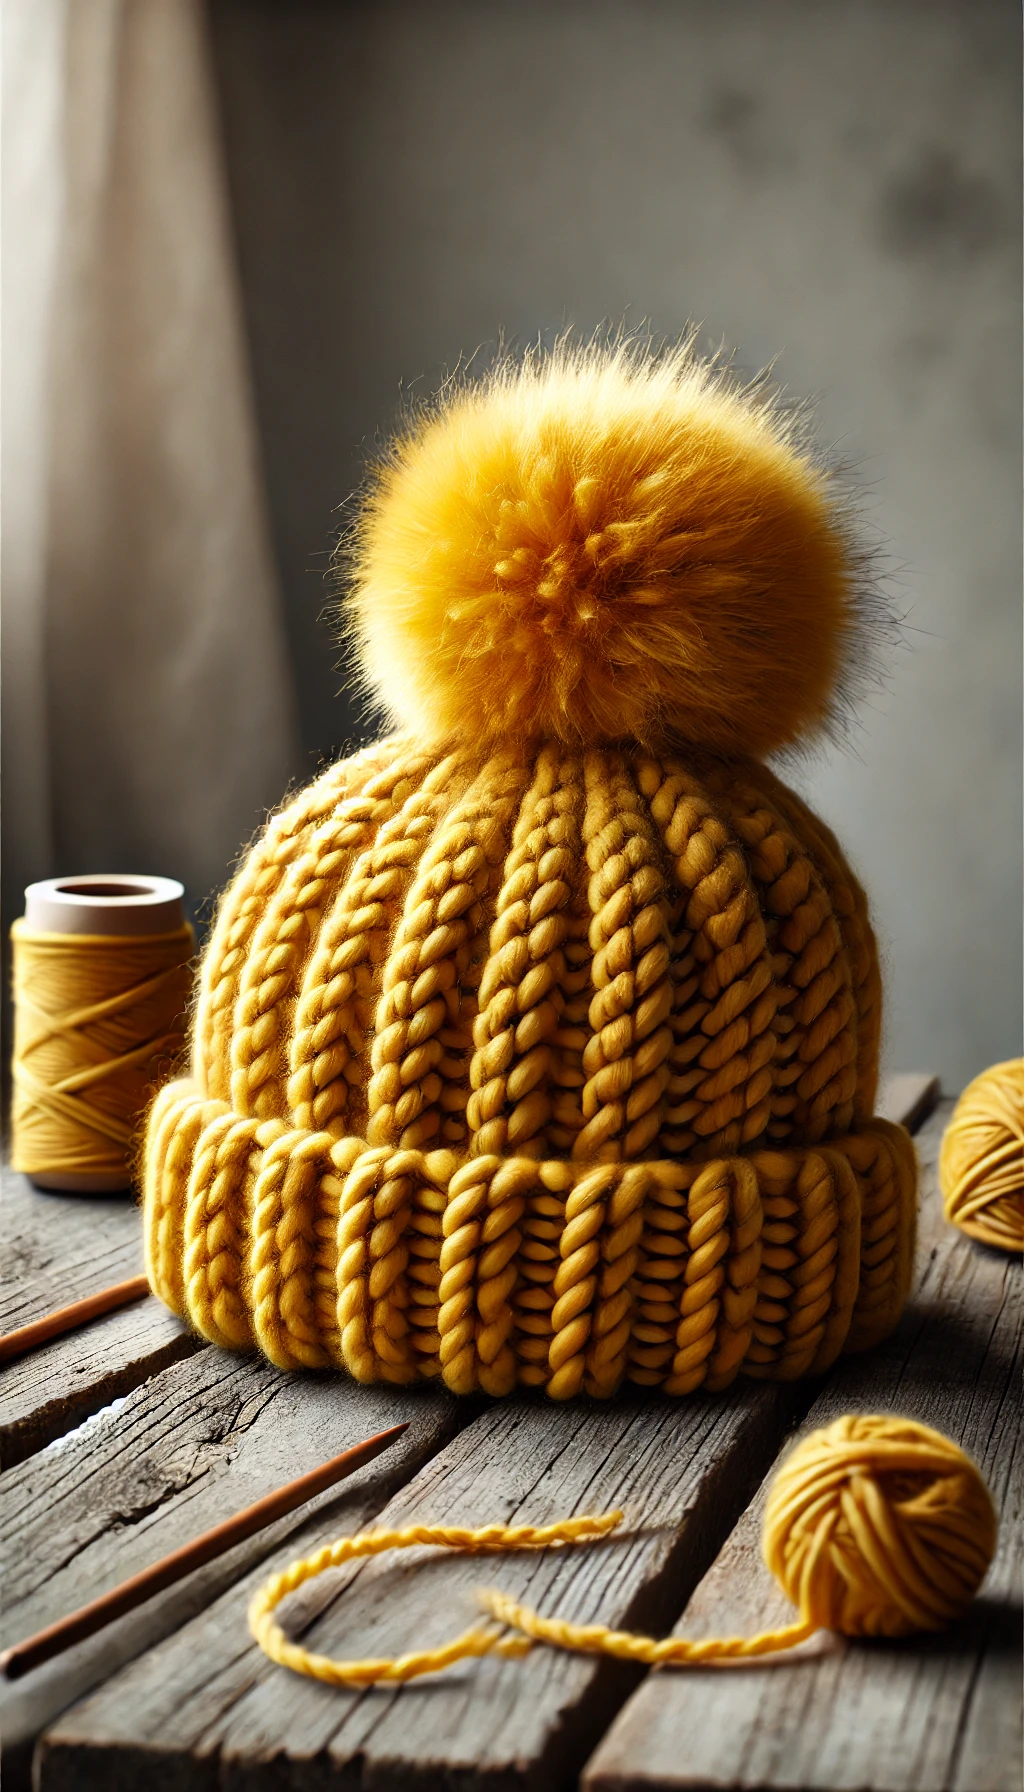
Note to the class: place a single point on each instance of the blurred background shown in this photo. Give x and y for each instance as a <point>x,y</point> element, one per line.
<point>234,234</point>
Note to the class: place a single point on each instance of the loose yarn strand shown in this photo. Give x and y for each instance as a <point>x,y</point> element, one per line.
<point>628,1645</point>
<point>94,1015</point>
<point>481,1639</point>
<point>874,1526</point>
<point>506,1613</point>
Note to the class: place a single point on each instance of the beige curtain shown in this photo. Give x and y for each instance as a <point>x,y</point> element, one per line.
<point>148,710</point>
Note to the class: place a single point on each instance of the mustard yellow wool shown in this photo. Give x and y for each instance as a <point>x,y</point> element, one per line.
<point>981,1164</point>
<point>874,1527</point>
<point>547,1073</point>
<point>538,1049</point>
<point>599,545</point>
<point>879,1527</point>
<point>97,1019</point>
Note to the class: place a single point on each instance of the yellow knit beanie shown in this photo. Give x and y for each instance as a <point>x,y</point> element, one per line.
<point>537,1044</point>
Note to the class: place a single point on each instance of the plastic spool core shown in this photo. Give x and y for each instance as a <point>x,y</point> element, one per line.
<point>104,903</point>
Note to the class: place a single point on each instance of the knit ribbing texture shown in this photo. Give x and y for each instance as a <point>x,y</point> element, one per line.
<point>548,1069</point>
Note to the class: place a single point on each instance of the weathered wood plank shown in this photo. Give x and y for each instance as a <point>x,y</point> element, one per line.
<point>205,1708</point>
<point>908,1097</point>
<point>926,1715</point>
<point>52,1390</point>
<point>203,1439</point>
<point>60,1248</point>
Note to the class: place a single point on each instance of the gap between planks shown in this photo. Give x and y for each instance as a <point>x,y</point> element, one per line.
<point>940,1714</point>
<point>204,1439</point>
<point>45,1395</point>
<point>204,1709</point>
<point>59,1248</point>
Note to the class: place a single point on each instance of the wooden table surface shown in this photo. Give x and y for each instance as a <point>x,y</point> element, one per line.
<point>129,1437</point>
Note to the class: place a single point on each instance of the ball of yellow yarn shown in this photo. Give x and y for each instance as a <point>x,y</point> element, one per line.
<point>874,1526</point>
<point>879,1527</point>
<point>981,1166</point>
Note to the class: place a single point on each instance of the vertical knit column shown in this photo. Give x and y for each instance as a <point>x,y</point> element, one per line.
<point>215,1232</point>
<point>576,1280</point>
<point>534,1297</point>
<point>523,989</point>
<point>724,995</point>
<point>716,1306</point>
<point>174,1125</point>
<point>805,1286</point>
<point>288,933</point>
<point>486,1201</point>
<point>882,1157</point>
<point>374,1214</point>
<point>851,908</point>
<point>282,1261</point>
<point>816,1026</point>
<point>626,1057</point>
<point>659,1279</point>
<point>327,1081</point>
<point>425,1240</point>
<point>614,1298</point>
<point>244,904</point>
<point>429,976</point>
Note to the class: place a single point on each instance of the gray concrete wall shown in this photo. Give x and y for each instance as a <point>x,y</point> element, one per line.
<point>836,183</point>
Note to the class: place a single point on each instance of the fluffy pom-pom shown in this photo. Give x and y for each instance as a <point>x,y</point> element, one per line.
<point>604,544</point>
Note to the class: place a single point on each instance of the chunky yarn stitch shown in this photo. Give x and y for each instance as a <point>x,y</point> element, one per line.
<point>546,1057</point>
<point>874,1526</point>
<point>981,1164</point>
<point>549,1072</point>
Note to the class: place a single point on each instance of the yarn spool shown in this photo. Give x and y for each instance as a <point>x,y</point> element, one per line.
<point>874,1526</point>
<point>981,1164</point>
<point>101,983</point>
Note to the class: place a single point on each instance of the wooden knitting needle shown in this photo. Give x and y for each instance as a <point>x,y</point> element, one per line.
<point>89,1618</point>
<point>65,1319</point>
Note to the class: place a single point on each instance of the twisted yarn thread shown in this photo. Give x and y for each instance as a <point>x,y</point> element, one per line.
<point>401,1264</point>
<point>981,1164</point>
<point>874,1526</point>
<point>96,1017</point>
<point>879,1527</point>
<point>545,1069</point>
<point>537,1045</point>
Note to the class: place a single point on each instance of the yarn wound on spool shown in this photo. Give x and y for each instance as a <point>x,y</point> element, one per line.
<point>981,1164</point>
<point>875,1526</point>
<point>97,1017</point>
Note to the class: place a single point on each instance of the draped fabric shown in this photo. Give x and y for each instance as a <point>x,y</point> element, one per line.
<point>148,708</point>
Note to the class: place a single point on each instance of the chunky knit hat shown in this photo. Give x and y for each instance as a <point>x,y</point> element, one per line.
<point>537,1045</point>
